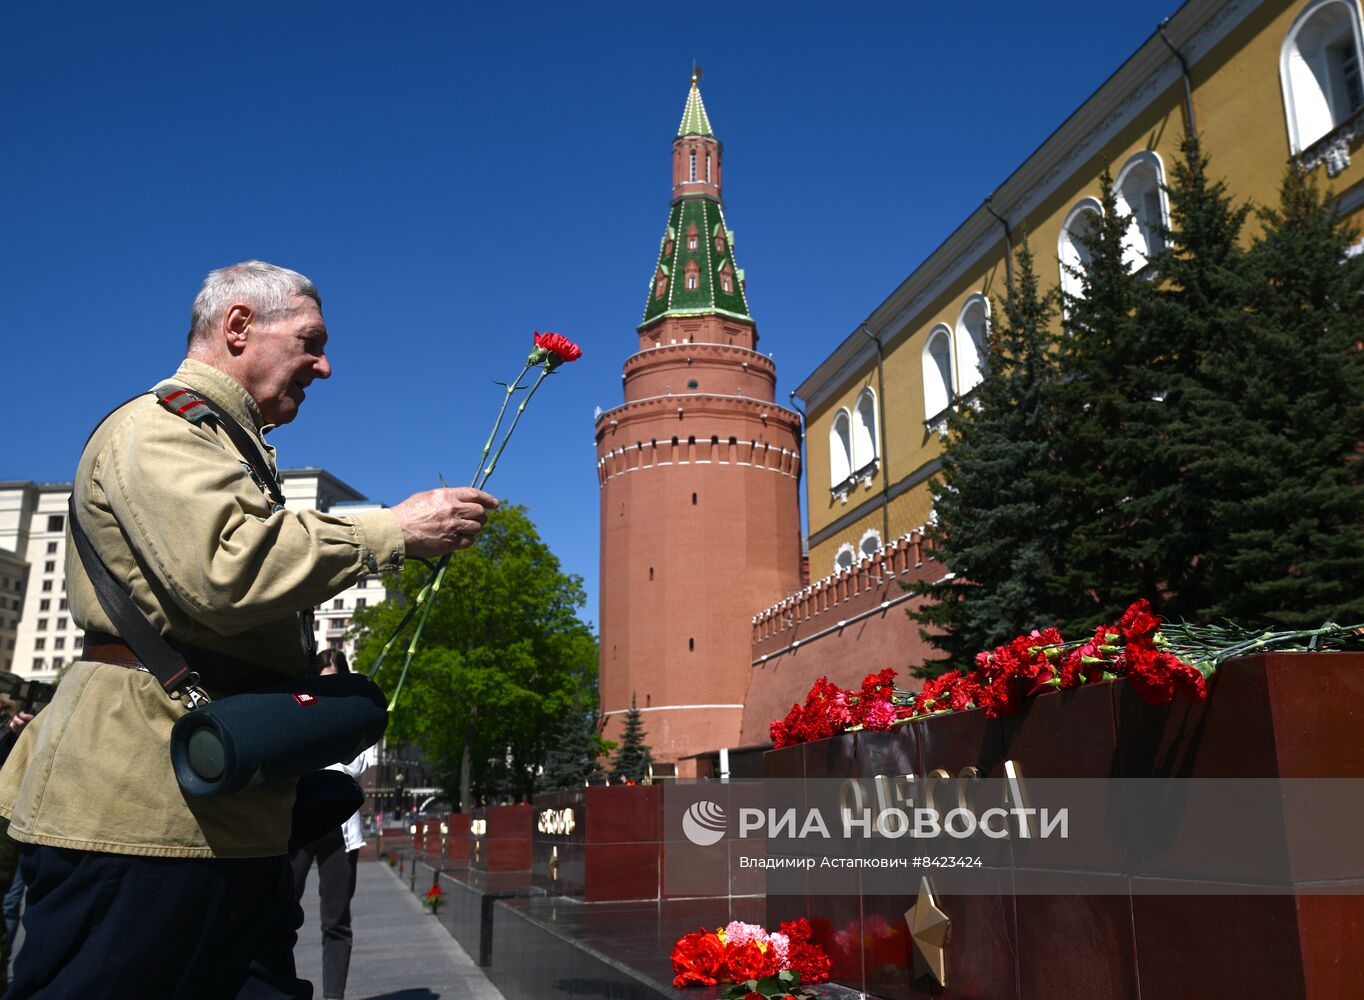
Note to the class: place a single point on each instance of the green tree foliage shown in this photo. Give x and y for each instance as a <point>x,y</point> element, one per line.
<point>1196,441</point>
<point>504,660</point>
<point>1290,504</point>
<point>1108,405</point>
<point>633,757</point>
<point>997,521</point>
<point>1197,317</point>
<point>575,751</point>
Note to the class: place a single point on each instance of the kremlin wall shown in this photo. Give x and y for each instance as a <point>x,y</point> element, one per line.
<point>708,619</point>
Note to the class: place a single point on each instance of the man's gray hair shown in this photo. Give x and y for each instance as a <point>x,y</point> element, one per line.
<point>266,288</point>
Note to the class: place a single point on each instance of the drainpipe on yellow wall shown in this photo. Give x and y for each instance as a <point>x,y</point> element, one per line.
<point>1184,70</point>
<point>1008,245</point>
<point>881,426</point>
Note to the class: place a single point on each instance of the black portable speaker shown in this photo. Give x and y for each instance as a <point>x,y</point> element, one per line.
<point>276,733</point>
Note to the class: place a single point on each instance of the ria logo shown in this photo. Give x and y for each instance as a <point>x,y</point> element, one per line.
<point>704,823</point>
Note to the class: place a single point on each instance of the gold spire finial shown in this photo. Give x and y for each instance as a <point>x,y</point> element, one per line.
<point>696,73</point>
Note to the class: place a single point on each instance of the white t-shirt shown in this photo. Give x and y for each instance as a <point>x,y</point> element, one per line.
<point>351,829</point>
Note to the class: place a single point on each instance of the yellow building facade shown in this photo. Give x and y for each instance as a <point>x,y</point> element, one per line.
<point>1267,84</point>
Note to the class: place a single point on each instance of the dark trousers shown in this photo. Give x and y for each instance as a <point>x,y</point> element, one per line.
<point>114,926</point>
<point>336,886</point>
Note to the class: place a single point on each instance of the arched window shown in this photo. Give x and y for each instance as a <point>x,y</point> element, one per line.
<point>1319,70</point>
<point>1141,198</point>
<point>864,434</point>
<point>870,543</point>
<point>840,451</point>
<point>693,165</point>
<point>973,331</point>
<point>937,365</point>
<point>844,558</point>
<point>1075,258</point>
<point>693,240</point>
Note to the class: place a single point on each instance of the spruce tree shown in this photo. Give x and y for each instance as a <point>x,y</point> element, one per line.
<point>996,526</point>
<point>1290,549</point>
<point>1186,434</point>
<point>1106,403</point>
<point>633,757</point>
<point>572,758</point>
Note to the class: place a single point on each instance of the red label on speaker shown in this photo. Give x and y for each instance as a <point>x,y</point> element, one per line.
<point>305,699</point>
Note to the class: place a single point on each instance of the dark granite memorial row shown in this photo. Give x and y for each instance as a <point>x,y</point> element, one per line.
<point>587,914</point>
<point>601,843</point>
<point>1277,716</point>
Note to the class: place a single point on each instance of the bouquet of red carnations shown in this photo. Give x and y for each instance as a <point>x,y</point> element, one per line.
<point>435,898</point>
<point>1159,659</point>
<point>758,964</point>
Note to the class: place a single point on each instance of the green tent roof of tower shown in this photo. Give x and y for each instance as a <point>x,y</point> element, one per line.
<point>695,121</point>
<point>696,273</point>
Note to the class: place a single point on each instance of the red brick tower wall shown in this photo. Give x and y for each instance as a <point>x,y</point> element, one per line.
<point>700,520</point>
<point>699,529</point>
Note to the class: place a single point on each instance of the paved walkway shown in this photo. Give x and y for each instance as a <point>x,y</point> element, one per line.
<point>401,952</point>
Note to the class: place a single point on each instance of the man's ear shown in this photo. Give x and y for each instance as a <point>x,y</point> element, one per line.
<point>236,324</point>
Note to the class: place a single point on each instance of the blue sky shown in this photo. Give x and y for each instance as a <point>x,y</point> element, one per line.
<point>456,176</point>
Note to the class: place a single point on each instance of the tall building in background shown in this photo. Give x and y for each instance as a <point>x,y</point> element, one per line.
<point>699,472</point>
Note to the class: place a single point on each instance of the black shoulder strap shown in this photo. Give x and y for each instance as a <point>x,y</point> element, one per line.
<point>156,654</point>
<point>274,493</point>
<point>196,407</point>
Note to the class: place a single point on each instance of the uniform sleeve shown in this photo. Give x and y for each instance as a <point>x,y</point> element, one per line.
<point>195,517</point>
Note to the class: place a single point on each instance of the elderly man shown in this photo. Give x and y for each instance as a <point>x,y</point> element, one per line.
<point>135,890</point>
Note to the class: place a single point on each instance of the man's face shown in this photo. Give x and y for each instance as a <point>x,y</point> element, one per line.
<point>284,352</point>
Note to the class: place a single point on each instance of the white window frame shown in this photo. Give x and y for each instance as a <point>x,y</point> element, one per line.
<point>840,454</point>
<point>870,533</point>
<point>865,454</point>
<point>936,403</point>
<point>1071,284</point>
<point>1296,97</point>
<point>970,356</point>
<point>1142,239</point>
<point>846,549</point>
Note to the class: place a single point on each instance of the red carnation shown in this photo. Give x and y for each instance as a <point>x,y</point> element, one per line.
<point>810,963</point>
<point>744,962</point>
<point>879,686</point>
<point>553,350</point>
<point>1137,622</point>
<point>878,715</point>
<point>696,959</point>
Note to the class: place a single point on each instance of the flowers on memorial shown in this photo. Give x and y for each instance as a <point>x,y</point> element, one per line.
<point>435,898</point>
<point>551,351</point>
<point>1160,660</point>
<point>752,960</point>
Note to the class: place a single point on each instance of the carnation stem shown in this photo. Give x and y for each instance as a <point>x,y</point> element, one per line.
<point>480,483</point>
<point>520,409</point>
<point>506,398</point>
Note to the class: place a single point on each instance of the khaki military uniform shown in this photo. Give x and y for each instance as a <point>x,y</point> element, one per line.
<point>175,516</point>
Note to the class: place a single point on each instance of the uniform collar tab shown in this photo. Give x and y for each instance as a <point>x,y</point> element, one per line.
<point>222,389</point>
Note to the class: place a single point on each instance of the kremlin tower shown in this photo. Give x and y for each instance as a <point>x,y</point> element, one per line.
<point>699,472</point>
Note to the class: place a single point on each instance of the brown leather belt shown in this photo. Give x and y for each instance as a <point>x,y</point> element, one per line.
<point>218,673</point>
